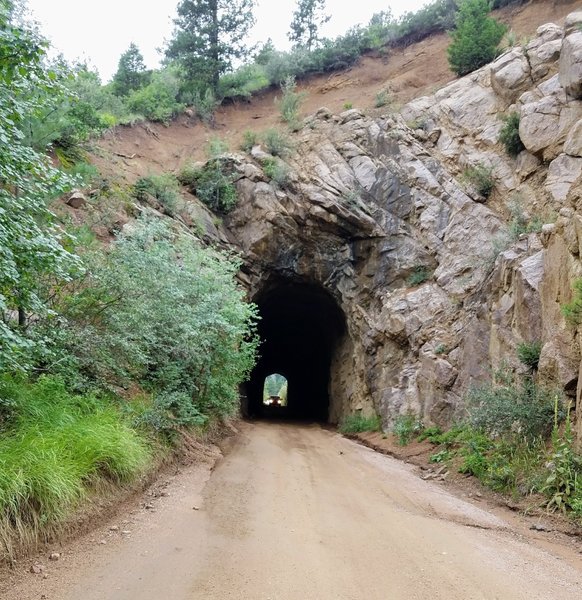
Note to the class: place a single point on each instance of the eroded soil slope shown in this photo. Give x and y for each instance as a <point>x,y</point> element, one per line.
<point>406,73</point>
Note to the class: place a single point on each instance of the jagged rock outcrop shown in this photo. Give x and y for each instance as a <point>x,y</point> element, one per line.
<point>369,202</point>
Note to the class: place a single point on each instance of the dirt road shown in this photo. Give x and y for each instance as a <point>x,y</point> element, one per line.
<point>299,513</point>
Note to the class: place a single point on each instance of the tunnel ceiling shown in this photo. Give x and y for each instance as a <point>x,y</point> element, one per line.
<point>300,327</point>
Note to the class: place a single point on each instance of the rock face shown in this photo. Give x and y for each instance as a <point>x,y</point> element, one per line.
<point>370,202</point>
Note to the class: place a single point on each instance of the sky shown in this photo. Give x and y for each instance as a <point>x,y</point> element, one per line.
<point>99,32</point>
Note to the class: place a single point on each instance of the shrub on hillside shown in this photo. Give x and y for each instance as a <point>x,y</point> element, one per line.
<point>508,406</point>
<point>529,354</point>
<point>157,101</point>
<point>243,82</point>
<point>250,139</point>
<point>290,102</point>
<point>509,135</point>
<point>475,38</point>
<point>276,142</point>
<point>213,185</point>
<point>165,188</point>
<point>481,178</point>
<point>276,170</point>
<point>164,312</point>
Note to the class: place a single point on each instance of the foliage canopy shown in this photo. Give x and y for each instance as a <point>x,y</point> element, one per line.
<point>30,244</point>
<point>308,17</point>
<point>475,38</point>
<point>209,35</point>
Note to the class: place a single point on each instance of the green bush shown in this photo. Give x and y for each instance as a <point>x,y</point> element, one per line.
<point>161,311</point>
<point>383,97</point>
<point>169,412</point>
<point>157,101</point>
<point>250,139</point>
<point>276,142</point>
<point>204,103</point>
<point>529,354</point>
<point>290,103</point>
<point>509,135</point>
<point>165,188</point>
<point>512,408</point>
<point>215,147</point>
<point>406,427</point>
<point>475,38</point>
<point>54,448</point>
<point>358,423</point>
<point>214,186</point>
<point>419,275</point>
<point>481,178</point>
<point>431,434</point>
<point>573,310</point>
<point>243,82</point>
<point>276,170</point>
<point>563,485</point>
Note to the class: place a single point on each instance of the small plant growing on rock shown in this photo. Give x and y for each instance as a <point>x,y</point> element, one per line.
<point>164,188</point>
<point>509,135</point>
<point>481,178</point>
<point>440,349</point>
<point>348,106</point>
<point>250,139</point>
<point>573,309</point>
<point>276,170</point>
<point>419,275</point>
<point>529,354</point>
<point>276,142</point>
<point>213,185</point>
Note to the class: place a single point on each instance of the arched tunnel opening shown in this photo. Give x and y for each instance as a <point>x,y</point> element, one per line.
<point>300,328</point>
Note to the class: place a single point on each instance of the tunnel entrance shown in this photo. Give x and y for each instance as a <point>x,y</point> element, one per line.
<point>300,327</point>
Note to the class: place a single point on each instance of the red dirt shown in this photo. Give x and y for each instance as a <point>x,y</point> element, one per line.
<point>406,73</point>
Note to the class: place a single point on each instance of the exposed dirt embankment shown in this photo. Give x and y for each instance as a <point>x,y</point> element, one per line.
<point>406,73</point>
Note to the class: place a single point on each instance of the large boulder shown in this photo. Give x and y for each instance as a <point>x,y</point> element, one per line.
<point>546,118</point>
<point>571,64</point>
<point>563,172</point>
<point>544,50</point>
<point>511,75</point>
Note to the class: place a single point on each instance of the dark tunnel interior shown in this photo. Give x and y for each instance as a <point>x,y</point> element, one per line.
<point>300,327</point>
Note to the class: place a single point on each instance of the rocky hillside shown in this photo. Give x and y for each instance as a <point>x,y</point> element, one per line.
<point>438,284</point>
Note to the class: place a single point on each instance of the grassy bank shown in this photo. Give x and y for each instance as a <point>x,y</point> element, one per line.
<point>56,450</point>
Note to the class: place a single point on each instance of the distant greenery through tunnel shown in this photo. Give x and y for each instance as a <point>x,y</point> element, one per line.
<point>275,390</point>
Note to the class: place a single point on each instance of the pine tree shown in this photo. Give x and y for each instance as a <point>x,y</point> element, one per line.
<point>208,37</point>
<point>131,72</point>
<point>475,38</point>
<point>307,19</point>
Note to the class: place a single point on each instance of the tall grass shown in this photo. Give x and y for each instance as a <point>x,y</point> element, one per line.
<point>358,423</point>
<point>55,448</point>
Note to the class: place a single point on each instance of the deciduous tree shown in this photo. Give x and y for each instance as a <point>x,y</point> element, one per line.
<point>30,248</point>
